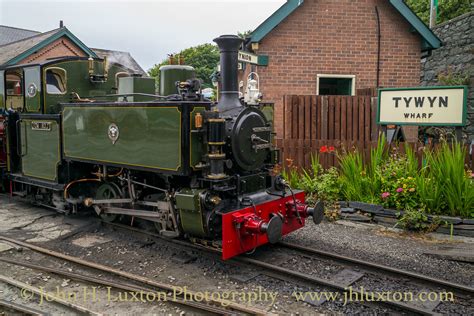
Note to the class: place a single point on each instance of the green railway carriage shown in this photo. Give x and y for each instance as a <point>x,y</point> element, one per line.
<point>79,134</point>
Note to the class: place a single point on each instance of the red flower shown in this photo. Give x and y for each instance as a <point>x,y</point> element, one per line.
<point>323,149</point>
<point>331,148</point>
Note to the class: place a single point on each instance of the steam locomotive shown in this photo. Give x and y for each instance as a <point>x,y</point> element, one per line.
<point>80,133</point>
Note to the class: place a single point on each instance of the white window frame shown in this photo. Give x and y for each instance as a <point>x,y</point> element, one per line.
<point>353,77</point>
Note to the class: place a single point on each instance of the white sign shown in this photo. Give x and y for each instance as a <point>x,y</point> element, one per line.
<point>423,106</point>
<point>245,57</point>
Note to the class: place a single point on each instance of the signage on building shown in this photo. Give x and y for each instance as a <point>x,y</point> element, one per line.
<point>245,57</point>
<point>445,106</point>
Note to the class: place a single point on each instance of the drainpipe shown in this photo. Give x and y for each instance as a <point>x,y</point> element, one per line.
<point>379,36</point>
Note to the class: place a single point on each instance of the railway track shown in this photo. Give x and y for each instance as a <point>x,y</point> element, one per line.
<point>212,306</point>
<point>370,270</point>
<point>21,309</point>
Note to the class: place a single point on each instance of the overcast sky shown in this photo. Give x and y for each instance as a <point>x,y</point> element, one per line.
<point>148,29</point>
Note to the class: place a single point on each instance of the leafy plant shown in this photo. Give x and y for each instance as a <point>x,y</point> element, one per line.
<point>414,220</point>
<point>448,9</point>
<point>203,58</point>
<point>453,78</point>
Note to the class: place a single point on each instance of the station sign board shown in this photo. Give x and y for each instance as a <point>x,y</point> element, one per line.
<point>245,57</point>
<point>428,106</point>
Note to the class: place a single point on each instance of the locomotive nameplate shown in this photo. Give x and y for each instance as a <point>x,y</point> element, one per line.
<point>41,126</point>
<point>262,129</point>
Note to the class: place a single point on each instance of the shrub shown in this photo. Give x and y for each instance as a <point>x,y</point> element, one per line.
<point>393,179</point>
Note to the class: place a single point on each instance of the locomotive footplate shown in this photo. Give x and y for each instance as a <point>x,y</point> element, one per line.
<point>248,228</point>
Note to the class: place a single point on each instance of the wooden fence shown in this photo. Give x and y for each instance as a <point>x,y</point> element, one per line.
<point>344,123</point>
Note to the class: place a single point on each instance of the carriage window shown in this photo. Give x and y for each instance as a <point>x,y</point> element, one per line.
<point>14,84</point>
<point>56,81</point>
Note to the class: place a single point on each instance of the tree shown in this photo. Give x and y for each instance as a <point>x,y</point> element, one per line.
<point>244,34</point>
<point>447,9</point>
<point>204,58</point>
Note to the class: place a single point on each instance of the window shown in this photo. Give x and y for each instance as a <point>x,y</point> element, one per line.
<point>335,85</point>
<point>55,81</point>
<point>14,84</point>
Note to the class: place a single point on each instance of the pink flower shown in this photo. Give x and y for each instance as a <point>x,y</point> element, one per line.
<point>400,190</point>
<point>385,195</point>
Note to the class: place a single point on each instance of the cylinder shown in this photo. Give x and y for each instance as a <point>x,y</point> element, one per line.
<point>229,92</point>
<point>170,74</point>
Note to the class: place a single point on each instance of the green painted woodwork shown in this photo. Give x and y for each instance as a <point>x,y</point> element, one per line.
<point>77,80</point>
<point>149,137</point>
<point>197,148</point>
<point>263,60</point>
<point>128,85</point>
<point>276,18</point>
<point>32,83</point>
<point>63,32</point>
<point>430,40</point>
<point>189,205</point>
<point>40,149</point>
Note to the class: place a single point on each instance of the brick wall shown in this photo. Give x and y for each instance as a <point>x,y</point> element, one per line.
<point>62,47</point>
<point>337,37</point>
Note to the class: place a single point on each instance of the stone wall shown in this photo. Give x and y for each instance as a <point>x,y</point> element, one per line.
<point>456,55</point>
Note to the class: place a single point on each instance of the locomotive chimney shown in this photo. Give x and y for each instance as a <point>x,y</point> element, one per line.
<point>229,94</point>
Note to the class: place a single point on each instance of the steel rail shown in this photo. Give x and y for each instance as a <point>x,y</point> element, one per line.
<point>460,288</point>
<point>37,291</point>
<point>130,276</point>
<point>21,308</point>
<point>113,284</point>
<point>278,271</point>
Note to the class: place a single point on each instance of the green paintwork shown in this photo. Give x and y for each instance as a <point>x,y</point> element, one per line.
<point>268,111</point>
<point>464,108</point>
<point>263,60</point>
<point>149,137</point>
<point>276,18</point>
<point>430,40</point>
<point>198,148</point>
<point>128,85</point>
<point>63,32</point>
<point>33,77</point>
<point>40,150</point>
<point>189,205</point>
<point>170,74</point>
<point>77,73</point>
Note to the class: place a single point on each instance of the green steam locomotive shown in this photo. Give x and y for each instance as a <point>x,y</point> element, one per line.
<point>82,134</point>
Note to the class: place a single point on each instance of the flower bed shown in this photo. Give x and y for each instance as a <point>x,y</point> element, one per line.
<point>439,185</point>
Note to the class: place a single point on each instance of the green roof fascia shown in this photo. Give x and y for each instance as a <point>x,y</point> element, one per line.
<point>276,18</point>
<point>430,40</point>
<point>48,41</point>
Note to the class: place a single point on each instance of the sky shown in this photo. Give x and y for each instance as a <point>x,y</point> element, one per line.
<point>148,29</point>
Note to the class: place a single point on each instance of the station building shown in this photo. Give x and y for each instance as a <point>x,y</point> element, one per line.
<point>338,47</point>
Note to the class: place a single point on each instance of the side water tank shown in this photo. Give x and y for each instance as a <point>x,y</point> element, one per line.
<point>170,74</point>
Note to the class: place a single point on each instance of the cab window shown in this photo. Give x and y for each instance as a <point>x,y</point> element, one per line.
<point>55,81</point>
<point>14,84</point>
